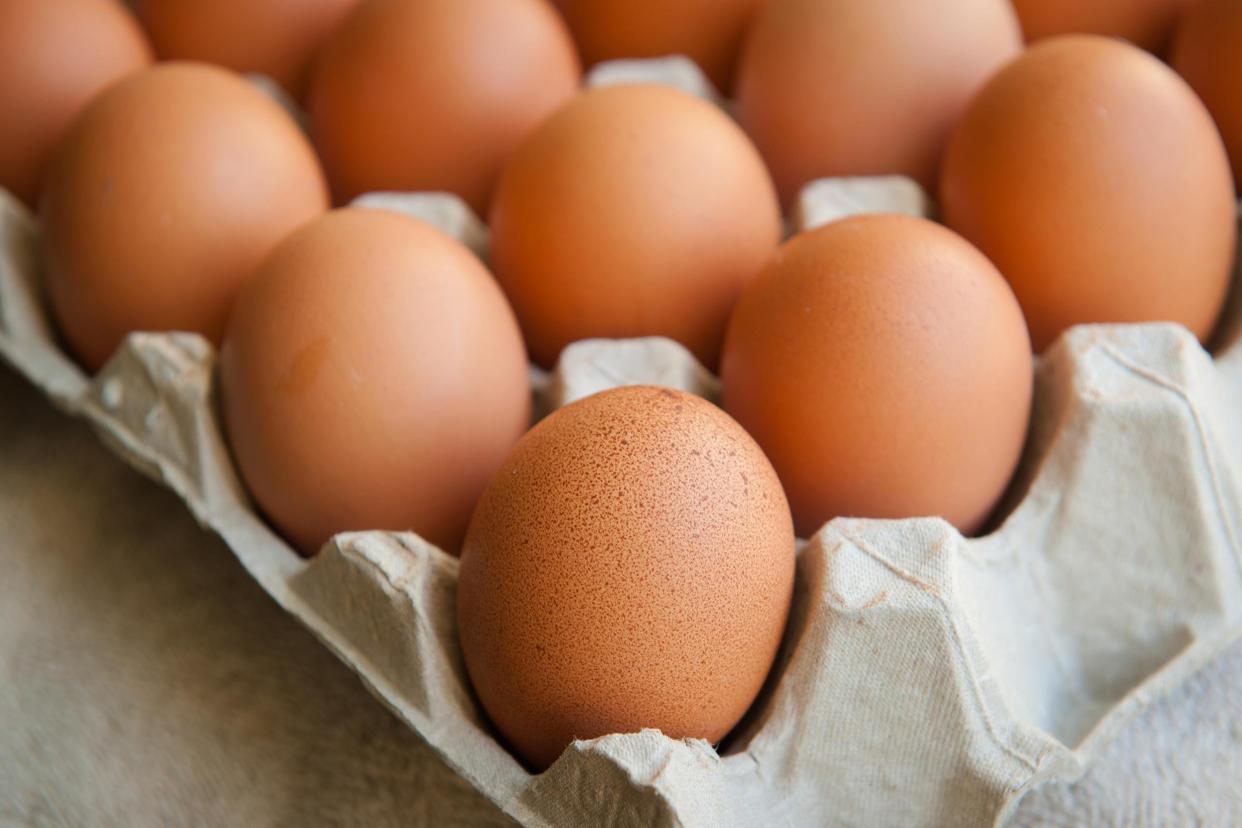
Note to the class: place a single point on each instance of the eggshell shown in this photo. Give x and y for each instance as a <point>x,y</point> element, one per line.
<point>55,57</point>
<point>1146,23</point>
<point>882,364</point>
<point>1094,179</point>
<point>630,566</point>
<point>435,94</point>
<point>831,88</point>
<point>1207,52</point>
<point>635,210</point>
<point>165,196</point>
<point>373,377</point>
<point>709,32</point>
<point>275,37</point>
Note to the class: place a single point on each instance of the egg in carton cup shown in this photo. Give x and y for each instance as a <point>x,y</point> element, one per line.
<point>924,678</point>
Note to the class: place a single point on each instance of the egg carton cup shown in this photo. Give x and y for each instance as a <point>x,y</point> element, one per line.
<point>924,678</point>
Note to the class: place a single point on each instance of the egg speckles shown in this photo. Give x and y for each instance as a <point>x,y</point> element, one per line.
<point>629,566</point>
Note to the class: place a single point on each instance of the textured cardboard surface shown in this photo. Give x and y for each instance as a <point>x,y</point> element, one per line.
<point>147,680</point>
<point>956,674</point>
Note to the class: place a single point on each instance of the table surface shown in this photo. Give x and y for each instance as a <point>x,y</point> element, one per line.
<point>146,680</point>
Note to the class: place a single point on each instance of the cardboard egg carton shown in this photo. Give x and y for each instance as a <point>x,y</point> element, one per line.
<point>924,678</point>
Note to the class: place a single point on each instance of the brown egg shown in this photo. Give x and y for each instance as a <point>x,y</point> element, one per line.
<point>1095,180</point>
<point>372,377</point>
<point>435,94</point>
<point>709,32</point>
<point>842,87</point>
<point>882,364</point>
<point>167,193</point>
<point>1147,23</point>
<point>636,210</point>
<point>630,566</point>
<point>55,57</point>
<point>275,37</point>
<point>1207,52</point>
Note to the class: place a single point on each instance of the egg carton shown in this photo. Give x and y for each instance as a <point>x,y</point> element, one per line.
<point>924,678</point>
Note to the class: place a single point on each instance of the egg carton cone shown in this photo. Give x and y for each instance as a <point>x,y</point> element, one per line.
<point>924,678</point>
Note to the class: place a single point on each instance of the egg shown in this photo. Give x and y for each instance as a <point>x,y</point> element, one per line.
<point>435,94</point>
<point>372,377</point>
<point>1147,23</point>
<point>709,32</point>
<point>55,57</point>
<point>636,210</point>
<point>629,566</point>
<point>275,37</point>
<point>1094,179</point>
<point>166,194</point>
<point>832,88</point>
<point>882,363</point>
<point>1207,52</point>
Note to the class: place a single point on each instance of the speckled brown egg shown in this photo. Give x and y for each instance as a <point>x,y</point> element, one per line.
<point>629,566</point>
<point>1207,52</point>
<point>883,365</point>
<point>166,194</point>
<point>275,37</point>
<point>1095,180</point>
<point>55,55</point>
<point>865,87</point>
<point>372,377</point>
